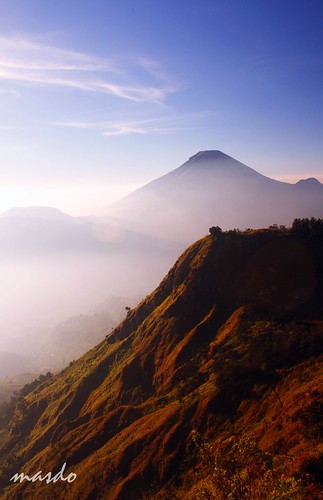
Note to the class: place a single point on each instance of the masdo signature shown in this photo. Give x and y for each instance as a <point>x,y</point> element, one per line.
<point>48,478</point>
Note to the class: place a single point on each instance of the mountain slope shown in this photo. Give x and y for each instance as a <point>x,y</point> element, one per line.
<point>213,188</point>
<point>229,344</point>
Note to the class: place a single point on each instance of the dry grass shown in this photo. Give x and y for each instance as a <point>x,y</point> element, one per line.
<point>211,348</point>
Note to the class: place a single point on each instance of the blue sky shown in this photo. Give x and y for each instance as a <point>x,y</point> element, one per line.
<point>98,97</point>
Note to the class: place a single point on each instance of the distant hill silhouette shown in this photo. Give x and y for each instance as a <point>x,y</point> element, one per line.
<point>46,230</point>
<point>48,213</point>
<point>211,187</point>
<point>12,364</point>
<point>213,380</point>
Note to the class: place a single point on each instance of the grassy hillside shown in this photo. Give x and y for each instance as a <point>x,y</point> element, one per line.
<point>212,384</point>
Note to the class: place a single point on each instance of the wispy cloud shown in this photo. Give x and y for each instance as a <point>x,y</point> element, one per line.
<point>159,125</point>
<point>115,128</point>
<point>28,61</point>
<point>7,96</point>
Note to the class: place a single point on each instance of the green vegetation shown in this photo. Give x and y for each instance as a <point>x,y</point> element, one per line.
<point>37,384</point>
<point>308,227</point>
<point>303,227</point>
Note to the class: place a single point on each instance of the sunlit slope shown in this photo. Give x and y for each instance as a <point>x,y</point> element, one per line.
<point>213,188</point>
<point>229,342</point>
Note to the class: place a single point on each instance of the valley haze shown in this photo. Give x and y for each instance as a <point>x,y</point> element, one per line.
<point>55,266</point>
<point>212,383</point>
<point>161,261</point>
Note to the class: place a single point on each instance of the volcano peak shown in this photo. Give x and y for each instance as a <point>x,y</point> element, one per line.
<point>211,154</point>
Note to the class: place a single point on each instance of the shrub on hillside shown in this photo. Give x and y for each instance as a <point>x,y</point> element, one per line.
<point>237,469</point>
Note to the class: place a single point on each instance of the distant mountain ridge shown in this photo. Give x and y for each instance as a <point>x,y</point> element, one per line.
<point>41,212</point>
<point>46,254</point>
<point>311,182</point>
<point>47,230</point>
<point>211,187</point>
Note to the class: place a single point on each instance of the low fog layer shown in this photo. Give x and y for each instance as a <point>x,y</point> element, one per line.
<point>54,266</point>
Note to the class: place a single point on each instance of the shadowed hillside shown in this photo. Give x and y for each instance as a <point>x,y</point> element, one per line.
<point>223,359</point>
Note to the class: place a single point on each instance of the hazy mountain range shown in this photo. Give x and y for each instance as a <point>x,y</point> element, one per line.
<point>212,188</point>
<point>223,361</point>
<point>37,231</point>
<point>54,266</point>
<point>212,383</point>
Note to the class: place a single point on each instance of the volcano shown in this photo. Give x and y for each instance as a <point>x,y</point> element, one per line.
<point>212,188</point>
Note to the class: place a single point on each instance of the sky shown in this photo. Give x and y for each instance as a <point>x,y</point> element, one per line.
<point>98,97</point>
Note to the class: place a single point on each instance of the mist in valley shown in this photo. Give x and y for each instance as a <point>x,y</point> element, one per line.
<point>63,275</point>
<point>67,281</point>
